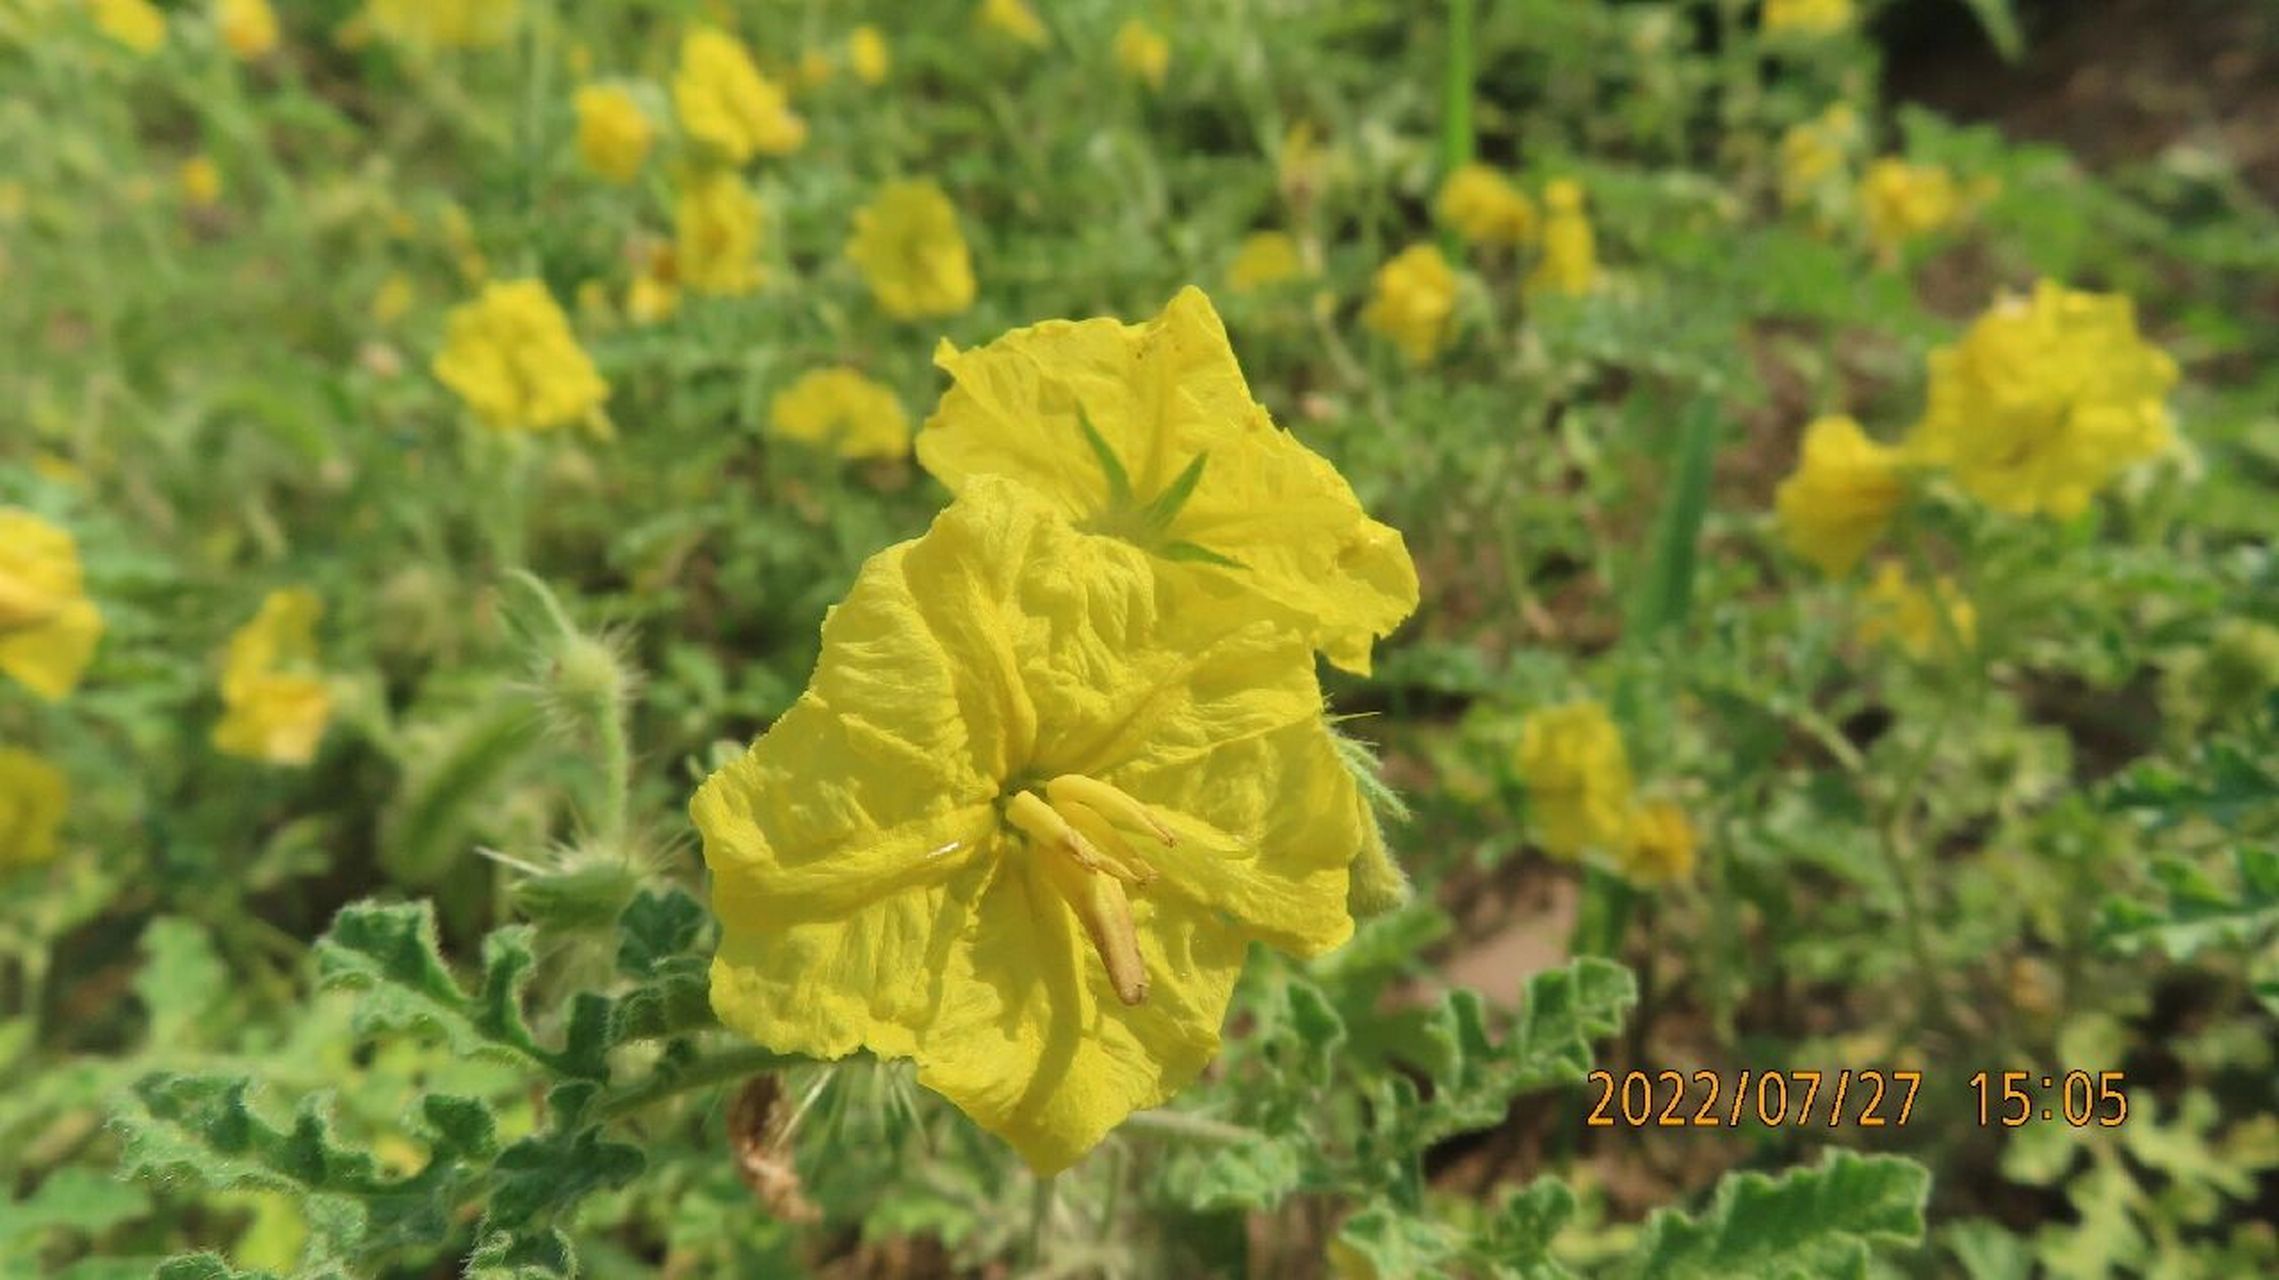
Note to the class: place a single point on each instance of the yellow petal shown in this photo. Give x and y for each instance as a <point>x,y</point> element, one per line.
<point>49,658</point>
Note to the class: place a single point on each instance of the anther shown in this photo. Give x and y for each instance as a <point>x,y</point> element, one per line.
<point>1107,801</point>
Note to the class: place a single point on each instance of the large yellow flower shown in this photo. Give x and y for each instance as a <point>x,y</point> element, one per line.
<point>724,102</point>
<point>1022,826</point>
<point>33,795</point>
<point>1841,495</point>
<point>1485,208</point>
<point>2046,399</point>
<point>48,626</point>
<point>248,27</point>
<point>844,410</point>
<point>274,706</point>
<point>511,356</point>
<point>716,234</point>
<point>1147,432</point>
<point>910,251</point>
<point>614,134</point>
<point>1570,249</point>
<point>1577,775</point>
<point>1413,302</point>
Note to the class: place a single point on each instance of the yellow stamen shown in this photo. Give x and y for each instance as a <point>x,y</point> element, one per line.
<point>1099,902</point>
<point>1116,856</point>
<point>1045,825</point>
<point>1108,802</point>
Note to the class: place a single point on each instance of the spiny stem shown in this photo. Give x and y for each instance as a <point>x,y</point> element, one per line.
<point>729,1064</point>
<point>1187,1124</point>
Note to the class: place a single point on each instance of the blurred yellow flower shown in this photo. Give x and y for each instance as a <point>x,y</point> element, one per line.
<point>458,231</point>
<point>1413,302</point>
<point>33,795</point>
<point>1807,17</point>
<point>391,299</point>
<point>443,24</point>
<point>1814,152</point>
<point>717,226</point>
<point>511,356</point>
<point>842,410</point>
<point>1147,434</point>
<point>1660,846</point>
<point>1570,251</point>
<point>867,54</point>
<point>1023,828</point>
<point>907,244</point>
<point>1265,259</point>
<point>48,626</point>
<point>274,709</point>
<point>1012,18</point>
<point>1577,775</point>
<point>1841,495</point>
<point>1142,53</point>
<point>2045,400</point>
<point>136,24</point>
<point>1485,208</point>
<point>725,103</point>
<point>200,181</point>
<point>1900,201</point>
<point>1896,609</point>
<point>614,134</point>
<point>812,71</point>
<point>248,27</point>
<point>654,293</point>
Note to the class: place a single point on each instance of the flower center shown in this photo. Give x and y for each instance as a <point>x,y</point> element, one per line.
<point>1077,827</point>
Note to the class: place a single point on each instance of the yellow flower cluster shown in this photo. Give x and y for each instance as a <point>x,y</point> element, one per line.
<point>614,134</point>
<point>1582,799</point>
<point>48,626</point>
<point>1413,302</point>
<point>840,408</point>
<point>1842,495</point>
<point>2045,400</point>
<point>274,709</point>
<point>1900,201</point>
<point>726,104</point>
<point>910,251</point>
<point>1265,259</point>
<point>1569,264</point>
<point>1014,19</point>
<point>1814,153</point>
<point>1807,17</point>
<point>200,182</point>
<point>443,24</point>
<point>867,54</point>
<point>716,234</point>
<point>1900,610</point>
<point>1485,208</point>
<point>1142,53</point>
<point>33,796</point>
<point>1063,758</point>
<point>136,24</point>
<point>248,27</point>
<point>511,356</point>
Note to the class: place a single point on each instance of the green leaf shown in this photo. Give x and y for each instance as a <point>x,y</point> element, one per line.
<point>1247,1175</point>
<point>544,1175</point>
<point>1395,1243</point>
<point>71,1199</point>
<point>656,929</point>
<point>1547,1043</point>
<point>389,957</point>
<point>1664,594</point>
<point>181,981</point>
<point>1519,1239</point>
<point>1999,19</point>
<point>1808,1224</point>
<point>2196,909</point>
<point>205,1266</point>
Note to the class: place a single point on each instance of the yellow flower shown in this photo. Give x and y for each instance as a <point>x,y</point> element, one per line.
<point>511,356</point>
<point>1413,302</point>
<point>1570,251</point>
<point>1899,610</point>
<point>725,103</point>
<point>1841,495</point>
<point>2046,399</point>
<point>614,135</point>
<point>716,234</point>
<point>1807,17</point>
<point>1813,152</point>
<point>1660,846</point>
<point>135,24</point>
<point>1577,776</point>
<point>200,181</point>
<point>867,54</point>
<point>1142,53</point>
<point>443,24</point>
<point>812,71</point>
<point>844,410</point>
<point>1901,201</point>
<point>910,251</point>
<point>33,795</point>
<point>1265,259</point>
<point>48,626</point>
<point>1484,208</point>
<point>1012,18</point>
<point>274,709</point>
<point>391,299</point>
<point>1022,828</point>
<point>248,27</point>
<point>1148,433</point>
<point>655,291</point>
